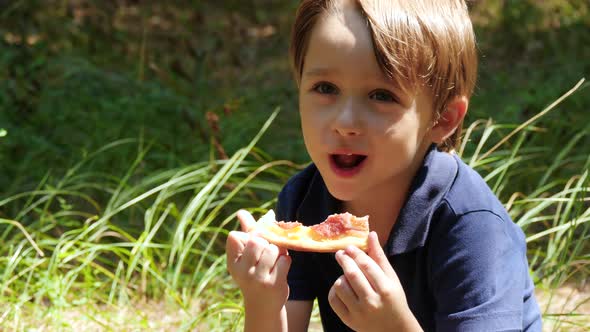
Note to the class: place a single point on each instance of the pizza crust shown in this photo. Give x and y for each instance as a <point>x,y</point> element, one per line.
<point>268,229</point>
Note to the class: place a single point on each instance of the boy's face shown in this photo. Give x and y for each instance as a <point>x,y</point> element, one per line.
<point>365,138</point>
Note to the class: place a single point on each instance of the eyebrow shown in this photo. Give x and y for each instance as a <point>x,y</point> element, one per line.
<point>320,71</point>
<point>324,71</point>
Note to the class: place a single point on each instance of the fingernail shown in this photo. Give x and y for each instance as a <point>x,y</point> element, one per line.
<point>240,235</point>
<point>351,248</point>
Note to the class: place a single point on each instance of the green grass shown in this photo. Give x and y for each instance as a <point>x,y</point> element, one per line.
<point>72,81</point>
<point>115,198</point>
<point>158,238</point>
<point>156,245</point>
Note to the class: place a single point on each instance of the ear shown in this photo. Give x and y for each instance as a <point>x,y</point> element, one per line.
<point>450,119</point>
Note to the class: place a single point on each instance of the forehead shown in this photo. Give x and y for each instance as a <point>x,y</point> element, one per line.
<point>344,26</point>
<point>341,41</point>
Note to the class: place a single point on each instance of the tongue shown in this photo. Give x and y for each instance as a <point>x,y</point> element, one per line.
<point>347,161</point>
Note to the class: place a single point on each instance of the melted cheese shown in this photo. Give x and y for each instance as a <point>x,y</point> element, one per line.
<point>295,233</point>
<point>304,238</point>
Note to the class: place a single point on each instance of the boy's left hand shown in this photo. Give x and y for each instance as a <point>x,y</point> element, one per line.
<point>369,295</point>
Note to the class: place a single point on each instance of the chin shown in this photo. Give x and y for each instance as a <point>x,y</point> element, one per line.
<point>343,190</point>
<point>342,193</point>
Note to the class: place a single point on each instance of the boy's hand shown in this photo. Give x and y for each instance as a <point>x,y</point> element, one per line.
<point>369,296</point>
<point>259,268</point>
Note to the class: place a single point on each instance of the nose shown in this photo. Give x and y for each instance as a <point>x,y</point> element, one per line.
<point>347,121</point>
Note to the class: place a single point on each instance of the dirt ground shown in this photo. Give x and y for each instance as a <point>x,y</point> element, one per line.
<point>159,316</point>
<point>566,299</point>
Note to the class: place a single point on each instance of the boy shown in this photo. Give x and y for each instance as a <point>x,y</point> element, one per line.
<point>383,90</point>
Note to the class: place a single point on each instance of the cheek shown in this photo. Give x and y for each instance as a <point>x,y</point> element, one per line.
<point>307,121</point>
<point>405,125</point>
<point>310,128</point>
<point>311,137</point>
<point>384,126</point>
<point>313,117</point>
<point>402,137</point>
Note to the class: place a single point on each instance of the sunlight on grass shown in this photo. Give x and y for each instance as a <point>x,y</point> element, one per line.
<point>147,251</point>
<point>158,237</point>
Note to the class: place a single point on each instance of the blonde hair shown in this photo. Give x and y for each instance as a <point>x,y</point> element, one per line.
<point>417,43</point>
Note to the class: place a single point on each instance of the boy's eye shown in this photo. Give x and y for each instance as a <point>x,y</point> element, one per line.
<point>325,88</point>
<point>383,96</point>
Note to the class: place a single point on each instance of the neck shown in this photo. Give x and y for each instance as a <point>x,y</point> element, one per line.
<point>382,206</point>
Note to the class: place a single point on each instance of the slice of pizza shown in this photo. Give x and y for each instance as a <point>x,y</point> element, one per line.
<point>335,233</point>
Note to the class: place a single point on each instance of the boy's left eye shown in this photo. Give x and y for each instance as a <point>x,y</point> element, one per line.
<point>383,96</point>
<point>325,88</point>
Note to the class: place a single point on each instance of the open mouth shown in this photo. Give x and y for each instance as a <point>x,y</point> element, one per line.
<point>347,164</point>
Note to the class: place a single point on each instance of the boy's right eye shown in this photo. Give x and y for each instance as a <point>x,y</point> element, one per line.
<point>325,88</point>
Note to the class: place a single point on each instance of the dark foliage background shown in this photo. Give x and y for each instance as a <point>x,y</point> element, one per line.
<point>194,77</point>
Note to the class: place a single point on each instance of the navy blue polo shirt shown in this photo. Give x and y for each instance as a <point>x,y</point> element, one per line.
<point>459,257</point>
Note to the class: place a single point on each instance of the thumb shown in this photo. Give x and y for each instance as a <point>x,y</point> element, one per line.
<point>375,251</point>
<point>246,219</point>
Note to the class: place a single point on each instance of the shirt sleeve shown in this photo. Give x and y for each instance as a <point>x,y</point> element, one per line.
<point>299,277</point>
<point>478,274</point>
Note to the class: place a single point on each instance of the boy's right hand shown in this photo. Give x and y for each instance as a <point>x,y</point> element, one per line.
<point>259,268</point>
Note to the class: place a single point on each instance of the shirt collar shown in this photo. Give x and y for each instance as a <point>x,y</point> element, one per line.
<point>432,181</point>
<point>410,231</point>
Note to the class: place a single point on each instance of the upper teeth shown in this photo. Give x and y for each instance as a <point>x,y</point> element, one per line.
<point>349,154</point>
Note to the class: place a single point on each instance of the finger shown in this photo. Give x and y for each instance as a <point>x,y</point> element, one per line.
<point>267,260</point>
<point>354,276</point>
<point>281,268</point>
<point>345,292</point>
<point>337,304</point>
<point>283,251</point>
<point>246,219</point>
<point>375,275</point>
<point>235,244</point>
<point>375,251</point>
<point>253,250</point>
